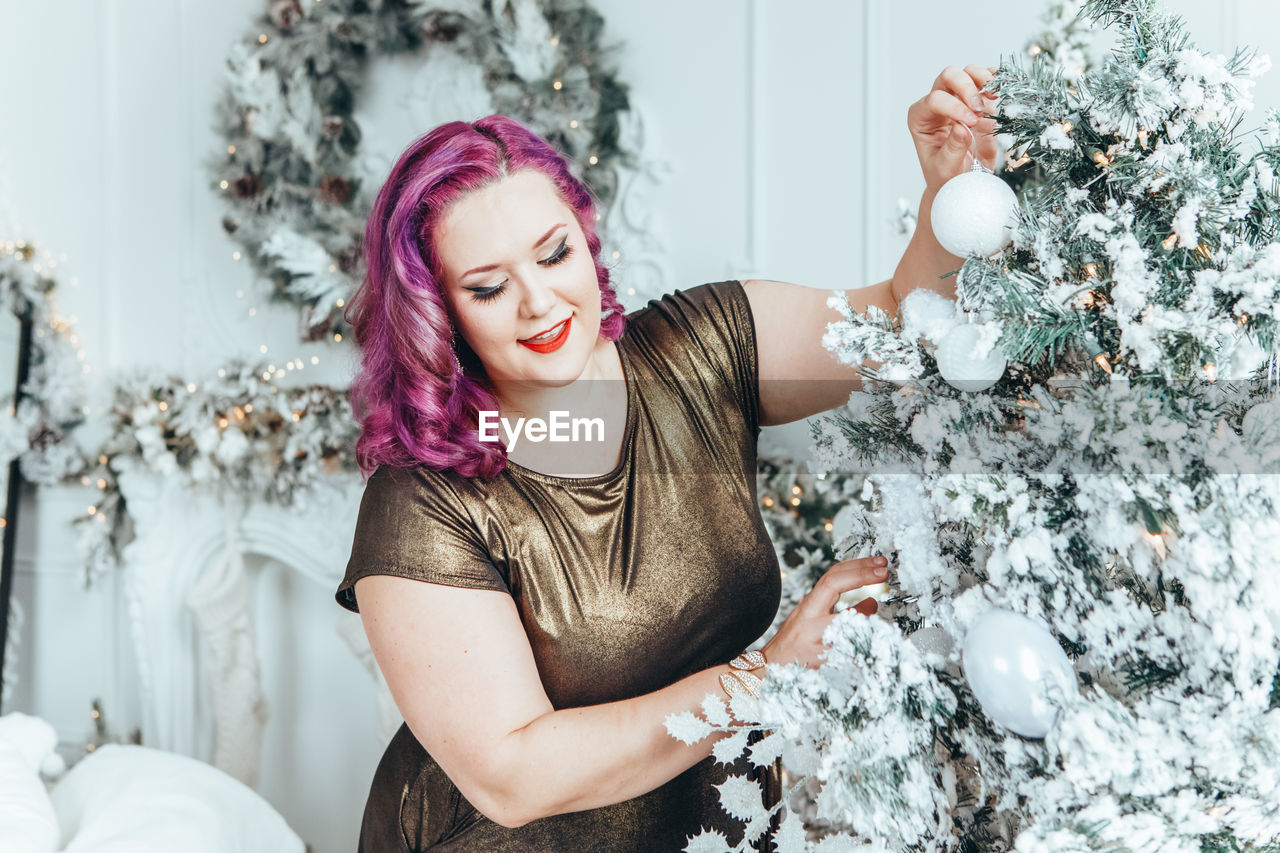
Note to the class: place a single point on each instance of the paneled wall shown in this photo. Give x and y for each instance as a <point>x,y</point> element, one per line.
<point>782,127</point>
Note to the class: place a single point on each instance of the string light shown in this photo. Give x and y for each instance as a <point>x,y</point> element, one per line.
<point>223,184</point>
<point>262,38</point>
<point>1091,270</point>
<point>191,387</point>
<point>315,359</point>
<point>555,41</point>
<point>340,302</point>
<point>1211,372</point>
<point>1101,159</point>
<point>573,123</point>
<point>235,256</point>
<point>795,502</point>
<point>1035,50</point>
<point>828,526</point>
<point>1020,162</point>
<point>1156,541</point>
<point>1142,138</point>
<point>795,490</point>
<point>231,149</point>
<point>262,348</point>
<point>163,406</point>
<point>593,159</point>
<point>1241,320</point>
<point>767,500</point>
<point>557,85</point>
<point>1203,250</point>
<point>248,407</point>
<point>1102,362</point>
<point>337,336</point>
<point>1169,241</point>
<point>1067,127</point>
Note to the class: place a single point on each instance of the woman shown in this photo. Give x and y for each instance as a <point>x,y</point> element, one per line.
<point>539,608</point>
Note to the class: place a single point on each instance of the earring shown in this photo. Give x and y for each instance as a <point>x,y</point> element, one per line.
<point>453,347</point>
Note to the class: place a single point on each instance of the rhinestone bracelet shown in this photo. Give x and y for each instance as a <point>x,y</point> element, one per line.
<point>739,678</point>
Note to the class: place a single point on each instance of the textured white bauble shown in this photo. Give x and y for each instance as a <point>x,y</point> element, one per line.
<point>1018,672</point>
<point>958,366</point>
<point>1261,431</point>
<point>974,214</point>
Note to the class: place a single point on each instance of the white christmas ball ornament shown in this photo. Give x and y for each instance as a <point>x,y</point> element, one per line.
<point>1018,672</point>
<point>1261,431</point>
<point>960,367</point>
<point>974,214</point>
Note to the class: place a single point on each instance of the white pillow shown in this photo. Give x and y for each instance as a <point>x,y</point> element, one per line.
<point>134,799</point>
<point>27,821</point>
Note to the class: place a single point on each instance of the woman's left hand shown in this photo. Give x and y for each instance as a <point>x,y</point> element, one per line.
<point>945,122</point>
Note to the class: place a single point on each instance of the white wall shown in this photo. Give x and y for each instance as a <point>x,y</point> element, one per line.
<point>784,128</point>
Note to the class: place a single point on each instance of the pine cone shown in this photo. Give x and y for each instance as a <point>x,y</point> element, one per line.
<point>285,14</point>
<point>334,189</point>
<point>441,27</point>
<point>332,127</point>
<point>247,186</point>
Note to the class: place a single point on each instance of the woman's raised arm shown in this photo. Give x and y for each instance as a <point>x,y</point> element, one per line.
<point>798,376</point>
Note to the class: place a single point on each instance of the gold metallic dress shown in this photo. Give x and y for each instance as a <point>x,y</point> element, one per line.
<point>626,582</point>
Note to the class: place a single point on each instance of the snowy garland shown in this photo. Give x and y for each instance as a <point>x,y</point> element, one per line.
<point>238,435</point>
<point>38,430</point>
<point>297,203</point>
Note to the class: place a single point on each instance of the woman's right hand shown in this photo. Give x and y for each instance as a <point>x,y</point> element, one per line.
<point>799,638</point>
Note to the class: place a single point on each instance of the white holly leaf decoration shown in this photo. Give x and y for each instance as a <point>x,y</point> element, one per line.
<point>716,711</point>
<point>727,749</point>
<point>745,706</point>
<point>755,828</point>
<point>741,797</point>
<point>707,841</point>
<point>687,727</point>
<point>768,749</point>
<point>790,837</point>
<point>840,843</point>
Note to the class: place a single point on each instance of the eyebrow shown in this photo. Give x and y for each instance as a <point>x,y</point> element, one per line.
<point>541,240</point>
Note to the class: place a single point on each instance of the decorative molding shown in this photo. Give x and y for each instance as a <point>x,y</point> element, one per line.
<point>179,535</point>
<point>748,265</point>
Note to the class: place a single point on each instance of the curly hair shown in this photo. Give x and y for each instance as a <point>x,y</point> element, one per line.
<point>412,403</point>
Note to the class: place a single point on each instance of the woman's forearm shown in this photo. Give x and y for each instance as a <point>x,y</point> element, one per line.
<point>925,259</point>
<point>584,758</point>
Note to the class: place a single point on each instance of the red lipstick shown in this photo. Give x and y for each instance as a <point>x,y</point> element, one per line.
<point>553,344</point>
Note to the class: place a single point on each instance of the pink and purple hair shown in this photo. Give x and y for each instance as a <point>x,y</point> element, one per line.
<point>412,403</point>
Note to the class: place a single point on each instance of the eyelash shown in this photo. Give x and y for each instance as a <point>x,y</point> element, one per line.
<point>562,254</point>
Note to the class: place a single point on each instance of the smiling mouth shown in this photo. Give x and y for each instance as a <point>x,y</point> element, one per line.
<point>548,335</point>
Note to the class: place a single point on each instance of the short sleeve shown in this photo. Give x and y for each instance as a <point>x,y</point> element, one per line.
<point>716,322</point>
<point>412,524</point>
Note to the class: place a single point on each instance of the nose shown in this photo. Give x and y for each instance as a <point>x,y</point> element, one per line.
<point>538,298</point>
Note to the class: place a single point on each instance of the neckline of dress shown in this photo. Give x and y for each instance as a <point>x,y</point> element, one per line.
<point>628,434</point>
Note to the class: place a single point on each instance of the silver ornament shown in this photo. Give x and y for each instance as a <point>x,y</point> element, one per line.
<point>957,365</point>
<point>1017,671</point>
<point>974,214</point>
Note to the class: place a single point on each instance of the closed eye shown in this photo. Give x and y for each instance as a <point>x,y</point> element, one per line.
<point>559,256</point>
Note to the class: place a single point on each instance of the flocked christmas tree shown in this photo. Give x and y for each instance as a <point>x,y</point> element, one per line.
<point>1075,469</point>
